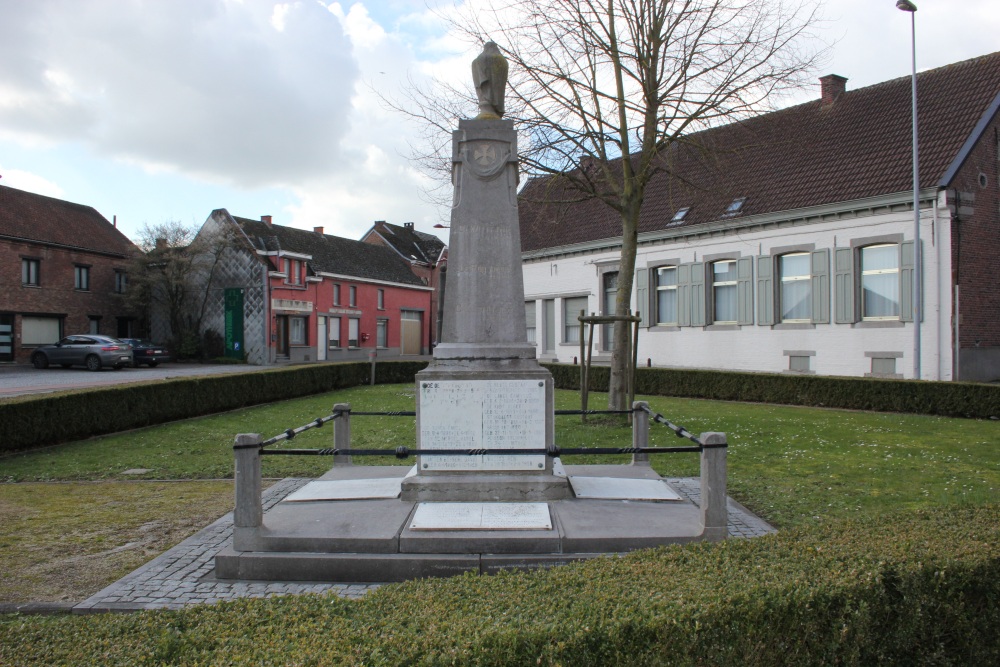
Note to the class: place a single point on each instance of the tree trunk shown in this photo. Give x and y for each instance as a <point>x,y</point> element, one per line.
<point>621,353</point>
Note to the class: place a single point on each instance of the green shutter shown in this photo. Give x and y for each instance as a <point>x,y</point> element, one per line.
<point>765,290</point>
<point>843,285</point>
<point>744,290</point>
<point>684,295</point>
<point>906,268</point>
<point>642,296</point>
<point>821,286</point>
<point>698,294</point>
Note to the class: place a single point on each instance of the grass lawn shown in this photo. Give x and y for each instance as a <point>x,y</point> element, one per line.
<point>793,466</point>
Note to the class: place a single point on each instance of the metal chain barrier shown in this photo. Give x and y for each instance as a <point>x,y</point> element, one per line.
<point>679,430</point>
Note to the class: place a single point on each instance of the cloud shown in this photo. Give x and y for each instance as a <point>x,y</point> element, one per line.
<point>25,180</point>
<point>243,93</point>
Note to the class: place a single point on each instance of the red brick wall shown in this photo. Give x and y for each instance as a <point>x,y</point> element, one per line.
<point>976,254</point>
<point>55,294</point>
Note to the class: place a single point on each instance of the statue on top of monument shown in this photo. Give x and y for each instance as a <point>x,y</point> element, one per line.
<point>489,75</point>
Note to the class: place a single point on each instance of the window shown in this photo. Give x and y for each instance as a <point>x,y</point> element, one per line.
<point>354,296</point>
<point>81,277</point>
<point>680,215</point>
<point>333,332</point>
<point>381,299</point>
<point>121,282</point>
<point>571,310</point>
<point>735,208</point>
<point>798,363</point>
<point>29,272</point>
<point>94,324</point>
<point>336,295</point>
<point>666,295</point>
<point>382,333</point>
<point>795,295</point>
<point>529,320</point>
<point>724,293</point>
<point>609,284</point>
<point>352,332</point>
<point>880,282</point>
<point>297,330</point>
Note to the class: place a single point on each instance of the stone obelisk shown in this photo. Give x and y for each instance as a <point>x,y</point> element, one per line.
<point>484,388</point>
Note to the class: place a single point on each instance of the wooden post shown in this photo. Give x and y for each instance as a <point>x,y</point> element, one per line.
<point>714,514</point>
<point>342,434</point>
<point>640,432</point>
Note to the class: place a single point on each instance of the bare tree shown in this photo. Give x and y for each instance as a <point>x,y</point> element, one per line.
<point>595,81</point>
<point>173,277</point>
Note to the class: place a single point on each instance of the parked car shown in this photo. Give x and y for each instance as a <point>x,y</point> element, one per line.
<point>91,350</point>
<point>146,352</point>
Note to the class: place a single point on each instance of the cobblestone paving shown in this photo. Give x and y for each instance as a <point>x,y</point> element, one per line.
<point>184,574</point>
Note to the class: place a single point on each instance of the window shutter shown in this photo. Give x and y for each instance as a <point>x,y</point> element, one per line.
<point>642,296</point>
<point>844,285</point>
<point>765,290</point>
<point>906,269</point>
<point>698,294</point>
<point>684,295</point>
<point>821,286</point>
<point>744,290</point>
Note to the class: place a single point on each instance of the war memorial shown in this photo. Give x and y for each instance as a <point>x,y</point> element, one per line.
<point>489,490</point>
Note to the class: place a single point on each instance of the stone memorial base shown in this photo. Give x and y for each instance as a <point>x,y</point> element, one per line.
<point>362,535</point>
<point>467,401</point>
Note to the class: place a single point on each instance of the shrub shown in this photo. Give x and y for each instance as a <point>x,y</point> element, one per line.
<point>35,421</point>
<point>949,399</point>
<point>917,588</point>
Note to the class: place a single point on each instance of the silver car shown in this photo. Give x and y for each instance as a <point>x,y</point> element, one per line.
<point>91,350</point>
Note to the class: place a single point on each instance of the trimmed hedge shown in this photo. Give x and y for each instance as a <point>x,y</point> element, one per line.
<point>949,399</point>
<point>34,421</point>
<point>918,588</point>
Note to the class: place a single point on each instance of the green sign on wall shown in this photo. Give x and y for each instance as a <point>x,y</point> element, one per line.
<point>234,323</point>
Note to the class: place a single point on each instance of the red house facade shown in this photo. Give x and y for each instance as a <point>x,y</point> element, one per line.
<point>310,296</point>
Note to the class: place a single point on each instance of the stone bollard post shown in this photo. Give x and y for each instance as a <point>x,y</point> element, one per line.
<point>249,512</point>
<point>640,431</point>
<point>342,434</point>
<point>714,514</point>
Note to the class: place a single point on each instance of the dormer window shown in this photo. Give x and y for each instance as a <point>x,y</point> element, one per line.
<point>680,215</point>
<point>735,208</point>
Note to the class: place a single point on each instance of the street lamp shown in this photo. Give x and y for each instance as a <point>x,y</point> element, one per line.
<point>907,6</point>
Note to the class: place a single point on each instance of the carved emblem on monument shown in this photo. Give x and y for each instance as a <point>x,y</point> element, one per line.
<point>488,158</point>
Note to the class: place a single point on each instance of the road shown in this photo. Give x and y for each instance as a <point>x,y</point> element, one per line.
<point>20,379</point>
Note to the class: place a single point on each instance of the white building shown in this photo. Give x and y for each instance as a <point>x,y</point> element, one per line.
<point>786,243</point>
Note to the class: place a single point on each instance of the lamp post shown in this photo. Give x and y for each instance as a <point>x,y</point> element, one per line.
<point>909,7</point>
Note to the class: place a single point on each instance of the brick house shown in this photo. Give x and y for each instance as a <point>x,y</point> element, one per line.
<point>786,243</point>
<point>63,270</point>
<point>427,256</point>
<point>310,296</point>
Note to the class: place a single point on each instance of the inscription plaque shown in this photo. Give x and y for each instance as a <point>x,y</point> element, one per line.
<point>482,414</point>
<point>481,516</point>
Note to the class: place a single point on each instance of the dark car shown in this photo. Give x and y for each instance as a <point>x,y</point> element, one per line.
<point>146,352</point>
<point>91,350</point>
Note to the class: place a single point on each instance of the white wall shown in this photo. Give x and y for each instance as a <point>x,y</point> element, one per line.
<point>840,349</point>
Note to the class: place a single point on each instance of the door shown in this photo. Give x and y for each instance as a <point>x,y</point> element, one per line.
<point>321,341</point>
<point>409,332</point>
<point>6,338</point>
<point>281,335</point>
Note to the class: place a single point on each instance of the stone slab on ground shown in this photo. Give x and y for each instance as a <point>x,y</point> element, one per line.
<point>617,488</point>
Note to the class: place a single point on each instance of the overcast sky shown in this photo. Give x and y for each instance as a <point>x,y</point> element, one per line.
<point>157,110</point>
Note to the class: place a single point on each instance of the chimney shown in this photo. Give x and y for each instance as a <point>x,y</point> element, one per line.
<point>266,219</point>
<point>833,86</point>
<point>318,230</point>
<point>161,243</point>
<point>407,225</point>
